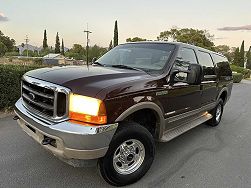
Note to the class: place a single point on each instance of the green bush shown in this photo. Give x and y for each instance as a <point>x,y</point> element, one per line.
<point>38,61</point>
<point>10,76</point>
<point>237,77</point>
<point>10,54</point>
<point>246,72</point>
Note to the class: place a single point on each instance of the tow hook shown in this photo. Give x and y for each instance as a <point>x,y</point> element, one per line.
<point>16,118</point>
<point>47,141</point>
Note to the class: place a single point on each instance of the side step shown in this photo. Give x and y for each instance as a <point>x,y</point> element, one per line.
<point>171,134</point>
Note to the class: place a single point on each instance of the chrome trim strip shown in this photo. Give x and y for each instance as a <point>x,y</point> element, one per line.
<point>190,113</point>
<point>206,82</point>
<point>169,113</point>
<point>210,76</point>
<point>37,93</point>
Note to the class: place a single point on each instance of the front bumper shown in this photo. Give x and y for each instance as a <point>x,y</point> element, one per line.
<point>72,141</point>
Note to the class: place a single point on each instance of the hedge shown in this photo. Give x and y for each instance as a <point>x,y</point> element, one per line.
<point>237,77</point>
<point>245,72</point>
<point>10,76</point>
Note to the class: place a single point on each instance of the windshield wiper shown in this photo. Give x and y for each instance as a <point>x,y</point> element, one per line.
<point>97,63</point>
<point>126,67</point>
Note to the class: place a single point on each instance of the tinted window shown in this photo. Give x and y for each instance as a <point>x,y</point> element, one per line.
<point>146,56</point>
<point>187,55</point>
<point>207,63</point>
<point>222,64</point>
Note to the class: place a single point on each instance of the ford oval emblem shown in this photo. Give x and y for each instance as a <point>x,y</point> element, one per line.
<point>32,96</point>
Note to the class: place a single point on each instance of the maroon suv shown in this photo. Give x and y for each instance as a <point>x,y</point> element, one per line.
<point>115,109</point>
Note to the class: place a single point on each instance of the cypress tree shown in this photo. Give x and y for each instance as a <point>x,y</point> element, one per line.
<point>242,55</point>
<point>57,45</point>
<point>62,47</point>
<point>248,65</point>
<point>110,46</point>
<point>236,60</point>
<point>45,44</point>
<point>115,38</point>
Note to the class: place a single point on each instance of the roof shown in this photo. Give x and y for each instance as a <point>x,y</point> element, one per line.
<point>176,43</point>
<point>53,56</point>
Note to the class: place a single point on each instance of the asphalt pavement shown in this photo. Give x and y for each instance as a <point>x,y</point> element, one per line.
<point>203,157</point>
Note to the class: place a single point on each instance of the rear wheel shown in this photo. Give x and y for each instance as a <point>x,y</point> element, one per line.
<point>129,156</point>
<point>217,114</point>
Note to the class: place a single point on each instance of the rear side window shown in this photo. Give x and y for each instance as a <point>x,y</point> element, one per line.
<point>222,65</point>
<point>207,63</point>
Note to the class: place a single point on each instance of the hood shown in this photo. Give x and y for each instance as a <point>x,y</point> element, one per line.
<point>86,81</point>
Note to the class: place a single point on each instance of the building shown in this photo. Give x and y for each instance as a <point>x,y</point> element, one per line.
<point>54,59</point>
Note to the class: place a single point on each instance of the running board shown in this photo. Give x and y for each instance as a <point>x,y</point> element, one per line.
<point>173,133</point>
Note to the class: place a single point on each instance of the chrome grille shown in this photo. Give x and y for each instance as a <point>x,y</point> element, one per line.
<point>44,98</point>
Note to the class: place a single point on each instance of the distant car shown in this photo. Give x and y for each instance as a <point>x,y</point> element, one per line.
<point>115,109</point>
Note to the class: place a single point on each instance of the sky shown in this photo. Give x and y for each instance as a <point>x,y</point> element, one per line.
<point>228,20</point>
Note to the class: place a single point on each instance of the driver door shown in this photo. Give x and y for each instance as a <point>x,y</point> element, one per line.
<point>182,97</point>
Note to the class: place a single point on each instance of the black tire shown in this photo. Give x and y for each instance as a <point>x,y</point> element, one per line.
<point>216,121</point>
<point>125,132</point>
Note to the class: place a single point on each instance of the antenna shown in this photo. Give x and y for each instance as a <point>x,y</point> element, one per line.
<point>26,42</point>
<point>87,44</point>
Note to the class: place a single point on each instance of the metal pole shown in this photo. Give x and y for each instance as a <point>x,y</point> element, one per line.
<point>87,44</point>
<point>27,49</point>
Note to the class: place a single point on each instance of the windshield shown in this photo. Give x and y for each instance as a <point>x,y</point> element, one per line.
<point>149,57</point>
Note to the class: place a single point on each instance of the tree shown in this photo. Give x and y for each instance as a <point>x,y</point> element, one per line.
<point>242,55</point>
<point>191,36</point>
<point>110,46</point>
<point>135,39</point>
<point>96,51</point>
<point>225,50</point>
<point>248,65</point>
<point>3,49</point>
<point>7,44</point>
<point>45,45</point>
<point>115,38</point>
<point>62,47</point>
<point>236,60</point>
<point>77,52</point>
<point>57,45</point>
<point>31,53</point>
<point>45,52</point>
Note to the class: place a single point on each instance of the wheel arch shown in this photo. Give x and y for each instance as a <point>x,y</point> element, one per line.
<point>142,106</point>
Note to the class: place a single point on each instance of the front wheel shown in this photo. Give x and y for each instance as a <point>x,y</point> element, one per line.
<point>217,114</point>
<point>130,155</point>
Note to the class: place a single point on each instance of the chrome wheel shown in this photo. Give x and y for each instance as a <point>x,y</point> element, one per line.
<point>129,156</point>
<point>218,113</point>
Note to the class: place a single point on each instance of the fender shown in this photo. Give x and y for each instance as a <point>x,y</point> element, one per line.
<point>146,105</point>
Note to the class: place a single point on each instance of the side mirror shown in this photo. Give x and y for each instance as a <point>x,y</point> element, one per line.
<point>94,60</point>
<point>194,74</point>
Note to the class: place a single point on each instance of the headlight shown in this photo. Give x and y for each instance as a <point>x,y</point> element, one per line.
<point>87,109</point>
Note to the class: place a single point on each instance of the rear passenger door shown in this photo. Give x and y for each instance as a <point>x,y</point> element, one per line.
<point>209,81</point>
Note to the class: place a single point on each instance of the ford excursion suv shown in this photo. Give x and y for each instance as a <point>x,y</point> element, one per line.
<point>116,108</point>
